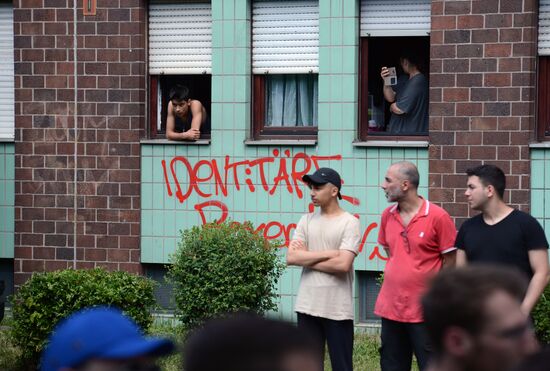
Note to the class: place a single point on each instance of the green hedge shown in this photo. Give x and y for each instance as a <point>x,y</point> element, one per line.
<point>49,297</point>
<point>223,268</point>
<point>541,316</point>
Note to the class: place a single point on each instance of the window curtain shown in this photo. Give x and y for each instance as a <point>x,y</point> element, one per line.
<point>291,100</point>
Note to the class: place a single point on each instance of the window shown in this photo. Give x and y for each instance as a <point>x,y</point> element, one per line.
<point>543,85</point>
<point>180,53</point>
<point>391,30</point>
<point>163,290</point>
<point>285,60</point>
<point>7,82</point>
<point>368,292</point>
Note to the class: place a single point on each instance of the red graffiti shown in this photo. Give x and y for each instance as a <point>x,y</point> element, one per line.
<point>207,171</point>
<point>279,172</point>
<point>376,254</point>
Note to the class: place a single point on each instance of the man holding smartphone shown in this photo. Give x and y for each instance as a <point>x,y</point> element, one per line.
<point>408,98</point>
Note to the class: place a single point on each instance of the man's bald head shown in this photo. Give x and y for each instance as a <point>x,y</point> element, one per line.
<point>408,171</point>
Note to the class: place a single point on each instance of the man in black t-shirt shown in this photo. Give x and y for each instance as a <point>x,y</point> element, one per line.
<point>501,234</point>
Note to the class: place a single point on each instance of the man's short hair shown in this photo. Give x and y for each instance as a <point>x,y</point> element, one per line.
<point>409,171</point>
<point>457,297</point>
<point>179,93</point>
<point>244,342</point>
<point>413,58</point>
<point>490,175</point>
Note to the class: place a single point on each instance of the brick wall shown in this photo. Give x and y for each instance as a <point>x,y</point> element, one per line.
<point>482,96</point>
<point>77,165</point>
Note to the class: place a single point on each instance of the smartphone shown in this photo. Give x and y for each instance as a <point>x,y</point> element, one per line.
<point>391,79</point>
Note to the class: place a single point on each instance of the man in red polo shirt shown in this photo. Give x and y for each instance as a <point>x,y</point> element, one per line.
<point>418,237</point>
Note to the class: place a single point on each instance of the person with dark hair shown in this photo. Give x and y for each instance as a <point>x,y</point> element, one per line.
<point>501,234</point>
<point>102,339</point>
<point>325,244</point>
<point>474,319</point>
<point>409,100</point>
<point>418,237</point>
<point>186,118</point>
<point>246,342</point>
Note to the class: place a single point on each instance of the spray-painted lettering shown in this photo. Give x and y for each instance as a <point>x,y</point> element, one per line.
<point>281,172</point>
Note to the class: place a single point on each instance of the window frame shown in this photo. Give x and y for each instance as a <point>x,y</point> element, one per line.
<point>367,279</point>
<point>261,131</point>
<point>543,98</point>
<point>364,134</point>
<point>154,91</point>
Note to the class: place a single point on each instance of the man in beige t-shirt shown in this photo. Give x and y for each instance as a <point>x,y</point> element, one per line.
<point>325,244</point>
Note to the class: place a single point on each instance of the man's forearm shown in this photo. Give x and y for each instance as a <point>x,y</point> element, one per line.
<point>306,258</point>
<point>449,260</point>
<point>536,287</point>
<point>389,94</point>
<point>332,265</point>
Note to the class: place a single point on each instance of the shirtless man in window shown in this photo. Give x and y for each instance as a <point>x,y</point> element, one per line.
<point>185,116</point>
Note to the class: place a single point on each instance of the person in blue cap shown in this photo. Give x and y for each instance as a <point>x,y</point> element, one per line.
<point>102,339</point>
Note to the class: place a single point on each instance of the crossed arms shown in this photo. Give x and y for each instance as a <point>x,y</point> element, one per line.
<point>329,261</point>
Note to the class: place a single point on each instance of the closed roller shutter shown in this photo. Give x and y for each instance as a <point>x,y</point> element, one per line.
<point>395,17</point>
<point>285,37</point>
<point>544,27</point>
<point>7,110</point>
<point>180,38</point>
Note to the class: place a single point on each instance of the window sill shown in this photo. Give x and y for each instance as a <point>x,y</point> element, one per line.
<point>393,143</point>
<point>280,142</point>
<point>7,139</point>
<point>539,145</point>
<point>200,142</point>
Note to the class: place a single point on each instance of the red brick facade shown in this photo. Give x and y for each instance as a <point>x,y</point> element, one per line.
<point>77,142</point>
<point>77,165</point>
<point>482,96</point>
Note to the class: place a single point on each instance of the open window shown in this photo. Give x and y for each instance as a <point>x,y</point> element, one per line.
<point>285,60</point>
<point>543,83</point>
<point>180,53</point>
<point>391,30</point>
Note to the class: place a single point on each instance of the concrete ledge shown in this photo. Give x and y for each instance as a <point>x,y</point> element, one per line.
<point>393,143</point>
<point>281,142</point>
<point>200,142</point>
<point>539,145</point>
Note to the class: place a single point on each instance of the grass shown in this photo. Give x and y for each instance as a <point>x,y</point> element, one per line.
<point>365,353</point>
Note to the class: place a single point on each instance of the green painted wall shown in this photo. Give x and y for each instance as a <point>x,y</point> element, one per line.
<point>7,199</point>
<point>540,187</point>
<point>276,202</point>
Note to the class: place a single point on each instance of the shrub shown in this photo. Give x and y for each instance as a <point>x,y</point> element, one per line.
<point>223,268</point>
<point>541,316</point>
<point>47,298</point>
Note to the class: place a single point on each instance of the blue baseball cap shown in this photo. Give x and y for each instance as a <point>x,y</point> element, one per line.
<point>98,333</point>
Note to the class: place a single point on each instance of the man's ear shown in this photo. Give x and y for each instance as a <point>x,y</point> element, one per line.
<point>405,184</point>
<point>457,342</point>
<point>334,191</point>
<point>490,191</point>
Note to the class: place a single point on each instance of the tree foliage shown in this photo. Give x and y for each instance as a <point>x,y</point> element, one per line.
<point>46,298</point>
<point>223,268</point>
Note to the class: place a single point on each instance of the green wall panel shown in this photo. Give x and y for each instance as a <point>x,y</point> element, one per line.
<point>7,199</point>
<point>540,187</point>
<point>184,185</point>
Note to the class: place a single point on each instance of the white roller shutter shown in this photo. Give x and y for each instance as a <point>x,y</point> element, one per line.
<point>544,27</point>
<point>7,86</point>
<point>395,17</point>
<point>285,37</point>
<point>180,38</point>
